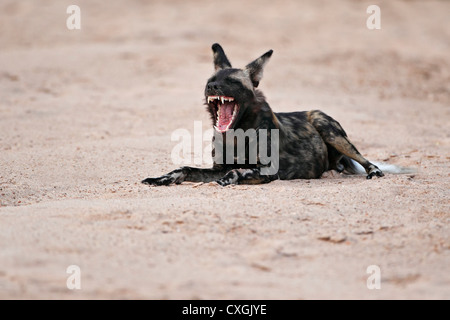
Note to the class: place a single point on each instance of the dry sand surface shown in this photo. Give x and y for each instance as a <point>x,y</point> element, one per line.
<point>86,114</point>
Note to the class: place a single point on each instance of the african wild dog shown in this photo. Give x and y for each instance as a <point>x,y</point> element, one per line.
<point>310,142</point>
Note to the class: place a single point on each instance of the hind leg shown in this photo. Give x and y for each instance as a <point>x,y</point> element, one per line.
<point>334,159</point>
<point>333,135</point>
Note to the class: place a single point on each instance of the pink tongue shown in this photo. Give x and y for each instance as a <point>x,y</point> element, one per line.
<point>225,115</point>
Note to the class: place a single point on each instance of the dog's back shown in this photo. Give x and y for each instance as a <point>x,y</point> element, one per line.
<point>302,151</point>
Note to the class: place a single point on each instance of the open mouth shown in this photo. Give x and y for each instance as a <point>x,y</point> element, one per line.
<point>226,111</point>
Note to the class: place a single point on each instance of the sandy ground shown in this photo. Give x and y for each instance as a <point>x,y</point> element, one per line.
<point>86,114</point>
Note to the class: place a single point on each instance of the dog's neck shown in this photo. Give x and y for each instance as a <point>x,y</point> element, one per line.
<point>259,113</point>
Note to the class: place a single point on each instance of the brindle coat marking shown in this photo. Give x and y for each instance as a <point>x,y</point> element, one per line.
<point>310,142</point>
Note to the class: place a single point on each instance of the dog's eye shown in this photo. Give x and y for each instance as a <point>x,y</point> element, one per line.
<point>233,81</point>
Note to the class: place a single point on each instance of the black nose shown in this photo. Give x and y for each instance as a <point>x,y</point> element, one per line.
<point>212,86</point>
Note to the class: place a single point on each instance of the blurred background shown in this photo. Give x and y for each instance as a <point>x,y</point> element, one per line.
<point>320,44</point>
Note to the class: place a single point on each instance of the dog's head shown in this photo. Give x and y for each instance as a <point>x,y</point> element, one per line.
<point>229,92</point>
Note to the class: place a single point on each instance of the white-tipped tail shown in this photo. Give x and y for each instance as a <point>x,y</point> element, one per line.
<point>385,167</point>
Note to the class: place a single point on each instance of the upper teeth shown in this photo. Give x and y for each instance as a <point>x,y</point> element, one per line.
<point>221,98</point>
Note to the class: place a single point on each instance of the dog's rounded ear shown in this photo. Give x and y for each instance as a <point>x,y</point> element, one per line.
<point>220,59</point>
<point>256,67</point>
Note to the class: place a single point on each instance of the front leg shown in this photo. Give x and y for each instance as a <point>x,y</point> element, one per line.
<point>187,174</point>
<point>245,176</point>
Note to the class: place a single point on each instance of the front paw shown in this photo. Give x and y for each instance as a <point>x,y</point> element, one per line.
<point>223,182</point>
<point>231,177</point>
<point>161,181</point>
<point>175,176</point>
<point>374,171</point>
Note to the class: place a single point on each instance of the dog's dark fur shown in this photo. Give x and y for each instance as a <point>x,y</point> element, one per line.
<point>310,143</point>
